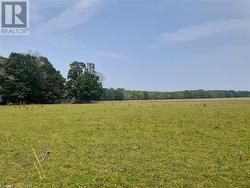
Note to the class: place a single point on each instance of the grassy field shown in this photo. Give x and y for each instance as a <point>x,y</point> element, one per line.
<point>127,144</point>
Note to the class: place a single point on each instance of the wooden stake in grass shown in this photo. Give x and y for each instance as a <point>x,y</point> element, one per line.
<point>40,171</point>
<point>40,175</point>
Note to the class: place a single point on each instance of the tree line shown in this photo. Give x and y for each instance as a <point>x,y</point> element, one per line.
<point>27,78</point>
<point>122,94</point>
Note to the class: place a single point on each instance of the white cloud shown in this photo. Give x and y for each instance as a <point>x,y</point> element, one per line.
<point>39,8</point>
<point>112,56</point>
<point>71,44</point>
<point>205,30</point>
<point>79,13</point>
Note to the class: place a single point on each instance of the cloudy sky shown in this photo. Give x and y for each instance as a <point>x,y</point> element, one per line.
<point>159,45</point>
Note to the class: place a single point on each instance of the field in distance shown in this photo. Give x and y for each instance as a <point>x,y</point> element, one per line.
<point>126,144</point>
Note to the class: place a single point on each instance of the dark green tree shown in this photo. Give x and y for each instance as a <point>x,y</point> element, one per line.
<point>84,84</point>
<point>29,79</point>
<point>52,83</point>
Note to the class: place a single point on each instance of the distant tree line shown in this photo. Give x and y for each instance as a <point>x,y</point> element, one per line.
<point>29,78</point>
<point>122,94</point>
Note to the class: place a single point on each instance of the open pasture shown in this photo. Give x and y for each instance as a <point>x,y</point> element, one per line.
<point>126,144</point>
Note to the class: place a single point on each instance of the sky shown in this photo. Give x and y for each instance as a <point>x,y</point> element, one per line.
<point>153,45</point>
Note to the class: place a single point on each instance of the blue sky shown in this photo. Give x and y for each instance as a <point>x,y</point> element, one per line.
<point>160,45</point>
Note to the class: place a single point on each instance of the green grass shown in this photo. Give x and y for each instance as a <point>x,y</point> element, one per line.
<point>127,144</point>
